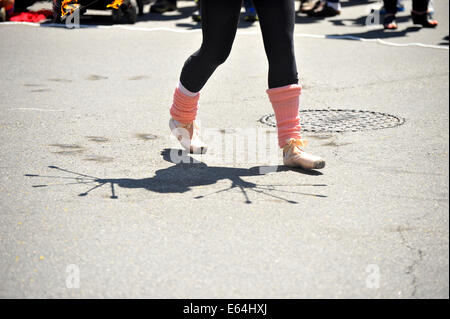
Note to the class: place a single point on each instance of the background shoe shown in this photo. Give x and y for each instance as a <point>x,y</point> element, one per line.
<point>250,15</point>
<point>425,19</point>
<point>390,22</point>
<point>162,6</point>
<point>323,11</point>
<point>308,5</point>
<point>123,11</point>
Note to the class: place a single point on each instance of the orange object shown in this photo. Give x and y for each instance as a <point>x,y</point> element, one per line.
<point>184,108</point>
<point>68,7</point>
<point>285,103</point>
<point>115,4</point>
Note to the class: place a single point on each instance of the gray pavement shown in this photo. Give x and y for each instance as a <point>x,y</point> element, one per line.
<point>94,102</point>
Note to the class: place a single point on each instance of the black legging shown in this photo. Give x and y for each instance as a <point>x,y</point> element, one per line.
<point>220,19</point>
<point>418,5</point>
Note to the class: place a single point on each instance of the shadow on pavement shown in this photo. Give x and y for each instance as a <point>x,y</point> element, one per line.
<point>195,25</point>
<point>374,34</point>
<point>445,41</point>
<point>303,18</point>
<point>186,174</point>
<point>86,21</point>
<point>181,13</point>
<point>361,21</point>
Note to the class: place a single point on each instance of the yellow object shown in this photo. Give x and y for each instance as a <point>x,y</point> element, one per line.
<point>68,7</point>
<point>115,4</point>
<point>296,142</point>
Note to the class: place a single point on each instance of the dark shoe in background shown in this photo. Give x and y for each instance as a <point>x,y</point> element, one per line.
<point>250,15</point>
<point>140,4</point>
<point>323,11</point>
<point>123,13</point>
<point>162,6</point>
<point>390,22</point>
<point>425,19</point>
<point>308,5</point>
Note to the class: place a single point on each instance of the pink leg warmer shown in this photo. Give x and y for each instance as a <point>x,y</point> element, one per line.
<point>184,107</point>
<point>285,102</point>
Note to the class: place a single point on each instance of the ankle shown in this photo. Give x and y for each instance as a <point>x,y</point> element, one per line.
<point>184,108</point>
<point>294,142</point>
<point>179,123</point>
<point>185,91</point>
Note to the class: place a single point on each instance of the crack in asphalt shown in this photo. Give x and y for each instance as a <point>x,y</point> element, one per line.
<point>411,269</point>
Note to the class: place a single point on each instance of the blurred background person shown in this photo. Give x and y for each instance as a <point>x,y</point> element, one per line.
<point>6,9</point>
<point>400,7</point>
<point>420,14</point>
<point>321,8</point>
<point>250,14</point>
<point>161,6</point>
<point>196,16</point>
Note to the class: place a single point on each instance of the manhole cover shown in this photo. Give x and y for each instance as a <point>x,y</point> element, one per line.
<point>341,120</point>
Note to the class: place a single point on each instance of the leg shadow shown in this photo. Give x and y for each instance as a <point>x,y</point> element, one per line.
<point>183,176</point>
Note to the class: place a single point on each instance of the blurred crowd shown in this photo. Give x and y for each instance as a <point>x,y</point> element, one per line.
<point>421,13</point>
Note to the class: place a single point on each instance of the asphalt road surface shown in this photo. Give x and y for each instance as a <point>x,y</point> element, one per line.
<point>92,204</point>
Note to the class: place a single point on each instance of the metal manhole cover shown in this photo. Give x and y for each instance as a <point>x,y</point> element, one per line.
<point>341,120</point>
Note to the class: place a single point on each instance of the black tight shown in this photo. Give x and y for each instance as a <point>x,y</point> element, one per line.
<point>418,5</point>
<point>220,20</point>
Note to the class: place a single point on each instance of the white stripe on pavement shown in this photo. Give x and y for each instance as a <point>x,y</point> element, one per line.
<point>300,35</point>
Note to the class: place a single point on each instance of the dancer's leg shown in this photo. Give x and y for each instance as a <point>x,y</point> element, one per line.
<point>219,24</point>
<point>277,19</point>
<point>220,19</point>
